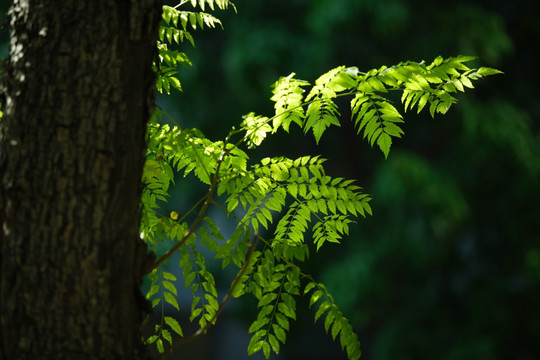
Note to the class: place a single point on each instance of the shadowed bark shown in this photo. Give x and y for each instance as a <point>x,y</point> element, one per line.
<point>78,90</point>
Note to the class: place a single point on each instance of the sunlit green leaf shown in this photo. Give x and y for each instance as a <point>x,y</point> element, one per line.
<point>169,298</point>
<point>173,324</point>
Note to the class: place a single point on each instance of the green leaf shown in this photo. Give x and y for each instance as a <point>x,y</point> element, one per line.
<point>170,286</point>
<point>466,82</point>
<point>169,298</point>
<point>385,142</point>
<point>267,299</point>
<point>392,129</point>
<point>486,71</point>
<point>169,276</point>
<point>315,297</point>
<point>329,320</point>
<point>322,309</point>
<point>194,313</point>
<point>458,85</point>
<point>166,334</point>
<point>341,82</point>
<point>258,324</point>
<point>336,328</point>
<point>274,343</point>
<point>153,290</point>
<point>174,325</point>
<point>309,287</point>
<point>282,321</point>
<point>159,345</point>
<point>266,349</point>
<point>254,345</point>
<point>212,302</point>
<point>377,84</point>
<point>319,116</point>
<point>423,101</point>
<point>152,339</point>
<point>289,312</point>
<point>280,333</point>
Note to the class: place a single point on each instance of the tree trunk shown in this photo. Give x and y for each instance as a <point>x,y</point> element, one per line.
<point>78,89</point>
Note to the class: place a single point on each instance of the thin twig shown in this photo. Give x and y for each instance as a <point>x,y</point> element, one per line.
<point>180,4</point>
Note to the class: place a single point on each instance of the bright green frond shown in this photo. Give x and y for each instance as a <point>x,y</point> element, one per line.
<point>285,200</point>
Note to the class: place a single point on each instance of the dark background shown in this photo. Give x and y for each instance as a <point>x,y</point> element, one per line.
<point>448,267</point>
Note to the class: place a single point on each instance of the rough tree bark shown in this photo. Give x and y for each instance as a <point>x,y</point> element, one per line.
<point>78,90</point>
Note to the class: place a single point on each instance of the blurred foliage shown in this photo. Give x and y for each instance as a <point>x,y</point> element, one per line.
<point>449,265</point>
